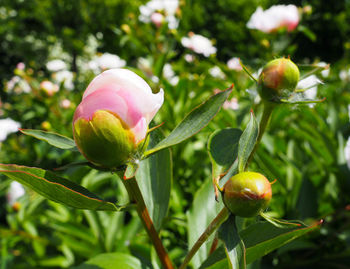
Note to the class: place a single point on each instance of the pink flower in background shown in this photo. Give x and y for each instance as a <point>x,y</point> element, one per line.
<point>65,104</point>
<point>199,44</point>
<point>20,66</point>
<point>234,64</point>
<point>157,18</point>
<point>113,117</point>
<point>274,18</point>
<point>49,87</point>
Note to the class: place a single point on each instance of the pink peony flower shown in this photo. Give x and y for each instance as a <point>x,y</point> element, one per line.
<point>274,18</point>
<point>113,117</point>
<point>234,64</point>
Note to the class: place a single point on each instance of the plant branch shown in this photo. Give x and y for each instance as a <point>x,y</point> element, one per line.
<point>268,108</point>
<point>135,194</point>
<point>220,218</point>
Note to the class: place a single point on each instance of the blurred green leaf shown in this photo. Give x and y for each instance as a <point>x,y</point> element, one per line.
<point>216,260</point>
<point>56,140</point>
<point>56,188</point>
<point>234,246</point>
<point>111,261</point>
<point>247,142</point>
<point>223,148</point>
<point>204,209</point>
<point>154,177</point>
<point>193,122</point>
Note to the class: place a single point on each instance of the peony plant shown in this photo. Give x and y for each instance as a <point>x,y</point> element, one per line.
<point>111,130</point>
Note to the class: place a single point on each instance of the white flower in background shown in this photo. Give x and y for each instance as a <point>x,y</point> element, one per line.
<point>145,64</point>
<point>18,85</point>
<point>10,85</point>
<point>199,44</point>
<point>8,126</point>
<point>274,18</point>
<point>49,87</point>
<point>189,58</point>
<point>326,70</point>
<point>234,64</point>
<point>65,103</point>
<point>344,74</point>
<point>169,74</point>
<point>106,61</point>
<point>169,8</point>
<point>216,72</point>
<point>15,191</point>
<point>56,65</point>
<point>65,77</point>
<point>347,152</point>
<point>310,83</point>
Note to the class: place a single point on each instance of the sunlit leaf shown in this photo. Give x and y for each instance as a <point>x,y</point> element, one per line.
<point>56,140</point>
<point>193,122</point>
<point>56,188</point>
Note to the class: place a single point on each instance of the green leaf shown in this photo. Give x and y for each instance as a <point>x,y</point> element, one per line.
<point>230,173</point>
<point>247,142</point>
<point>131,170</point>
<point>53,139</point>
<point>56,188</point>
<point>280,223</point>
<point>154,178</point>
<point>204,209</point>
<point>223,149</point>
<point>260,239</point>
<point>234,246</point>
<point>111,261</point>
<point>193,122</point>
<point>216,260</point>
<point>263,237</point>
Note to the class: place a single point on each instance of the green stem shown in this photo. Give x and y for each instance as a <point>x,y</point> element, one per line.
<point>268,108</point>
<point>220,218</point>
<point>135,194</point>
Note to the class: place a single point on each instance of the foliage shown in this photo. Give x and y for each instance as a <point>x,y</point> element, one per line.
<point>302,148</point>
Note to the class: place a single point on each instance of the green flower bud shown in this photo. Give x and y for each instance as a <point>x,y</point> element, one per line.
<point>278,79</point>
<point>247,194</point>
<point>105,140</point>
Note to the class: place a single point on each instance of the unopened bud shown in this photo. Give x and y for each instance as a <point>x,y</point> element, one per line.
<point>247,194</point>
<point>278,79</point>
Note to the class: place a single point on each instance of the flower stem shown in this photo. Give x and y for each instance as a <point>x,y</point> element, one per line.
<point>220,218</point>
<point>268,108</point>
<point>135,194</point>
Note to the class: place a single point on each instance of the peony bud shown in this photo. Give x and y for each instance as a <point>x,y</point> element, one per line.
<point>247,194</point>
<point>278,79</point>
<point>112,119</point>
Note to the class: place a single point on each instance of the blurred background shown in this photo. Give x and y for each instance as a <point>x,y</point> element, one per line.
<point>51,50</point>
